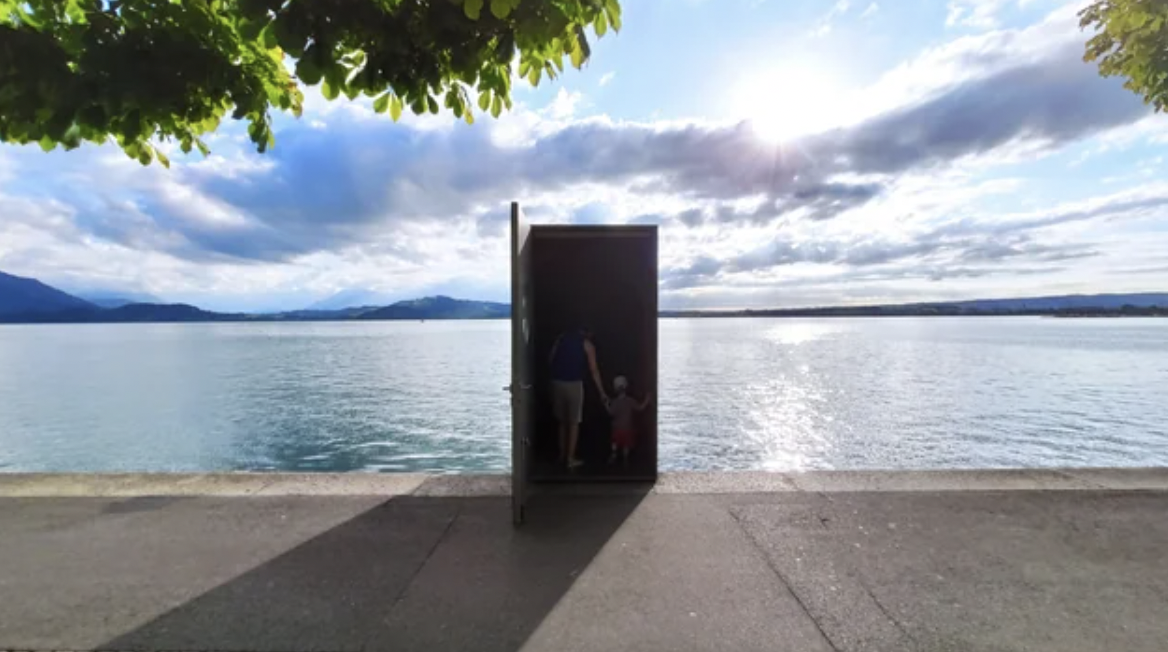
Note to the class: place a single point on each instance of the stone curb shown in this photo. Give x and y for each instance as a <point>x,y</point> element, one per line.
<point>131,485</point>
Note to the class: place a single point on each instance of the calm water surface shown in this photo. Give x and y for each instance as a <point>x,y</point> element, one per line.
<point>735,394</point>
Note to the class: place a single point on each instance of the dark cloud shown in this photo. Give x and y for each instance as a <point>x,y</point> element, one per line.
<point>1116,206</point>
<point>327,185</point>
<point>931,255</point>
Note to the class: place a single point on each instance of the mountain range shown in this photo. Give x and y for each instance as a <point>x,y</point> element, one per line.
<point>104,299</point>
<point>27,300</point>
<point>20,295</point>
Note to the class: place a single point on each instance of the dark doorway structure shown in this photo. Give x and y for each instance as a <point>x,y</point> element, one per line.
<point>565,278</point>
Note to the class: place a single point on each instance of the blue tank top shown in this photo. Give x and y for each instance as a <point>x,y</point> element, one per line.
<point>570,360</point>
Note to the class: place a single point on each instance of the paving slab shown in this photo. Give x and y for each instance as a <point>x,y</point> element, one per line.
<point>1059,571</point>
<point>79,573</point>
<point>679,575</point>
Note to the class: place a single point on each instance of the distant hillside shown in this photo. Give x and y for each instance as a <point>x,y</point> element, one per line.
<point>25,300</point>
<point>117,299</point>
<point>25,295</point>
<point>319,315</point>
<point>440,308</point>
<point>135,312</point>
<point>152,312</point>
<point>1141,303</point>
<point>347,299</point>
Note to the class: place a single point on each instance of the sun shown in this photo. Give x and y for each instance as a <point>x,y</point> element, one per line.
<point>784,104</point>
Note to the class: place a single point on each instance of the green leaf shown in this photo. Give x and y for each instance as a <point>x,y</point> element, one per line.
<point>433,104</point>
<point>473,8</point>
<point>72,138</point>
<point>496,107</point>
<point>47,143</point>
<point>162,158</point>
<point>330,91</point>
<point>203,147</point>
<point>250,29</point>
<point>500,8</point>
<point>601,24</point>
<point>307,70</point>
<point>145,154</point>
<point>268,37</point>
<point>381,104</point>
<point>485,100</point>
<point>613,9</point>
<point>395,108</point>
<point>290,40</point>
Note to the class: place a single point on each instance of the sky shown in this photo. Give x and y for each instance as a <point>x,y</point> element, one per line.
<point>794,153</point>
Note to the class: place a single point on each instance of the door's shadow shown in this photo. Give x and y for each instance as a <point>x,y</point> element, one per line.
<point>413,573</point>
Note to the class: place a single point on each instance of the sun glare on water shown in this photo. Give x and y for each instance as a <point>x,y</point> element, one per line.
<point>784,104</point>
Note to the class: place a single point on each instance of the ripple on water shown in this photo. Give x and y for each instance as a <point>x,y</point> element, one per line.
<point>734,395</point>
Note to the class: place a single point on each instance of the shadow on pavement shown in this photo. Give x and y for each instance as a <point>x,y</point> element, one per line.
<point>413,573</point>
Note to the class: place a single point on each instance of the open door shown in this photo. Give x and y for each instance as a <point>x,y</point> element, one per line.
<point>522,361</point>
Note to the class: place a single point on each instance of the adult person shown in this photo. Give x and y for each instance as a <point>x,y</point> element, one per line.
<point>572,355</point>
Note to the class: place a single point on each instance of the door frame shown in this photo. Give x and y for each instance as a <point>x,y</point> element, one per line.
<point>521,387</point>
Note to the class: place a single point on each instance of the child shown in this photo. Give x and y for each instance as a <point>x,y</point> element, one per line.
<point>621,407</point>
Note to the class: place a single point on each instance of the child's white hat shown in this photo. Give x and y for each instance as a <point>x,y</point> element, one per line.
<point>620,383</point>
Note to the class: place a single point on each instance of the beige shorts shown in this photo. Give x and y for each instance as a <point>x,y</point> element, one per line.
<point>568,401</point>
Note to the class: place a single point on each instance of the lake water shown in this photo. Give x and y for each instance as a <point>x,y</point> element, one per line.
<point>734,394</point>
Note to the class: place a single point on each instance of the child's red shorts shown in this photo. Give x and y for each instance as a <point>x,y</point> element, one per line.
<point>623,438</point>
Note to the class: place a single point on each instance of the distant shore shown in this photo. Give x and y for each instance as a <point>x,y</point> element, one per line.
<point>440,308</point>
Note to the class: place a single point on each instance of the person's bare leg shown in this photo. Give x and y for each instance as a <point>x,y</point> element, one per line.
<point>573,437</point>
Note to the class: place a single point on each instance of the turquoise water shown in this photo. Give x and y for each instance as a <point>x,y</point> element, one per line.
<point>734,394</point>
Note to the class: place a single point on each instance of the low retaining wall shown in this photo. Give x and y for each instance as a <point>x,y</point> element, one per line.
<point>14,485</point>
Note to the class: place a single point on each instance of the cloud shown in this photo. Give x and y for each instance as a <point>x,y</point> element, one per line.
<point>606,79</point>
<point>870,11</point>
<point>824,27</point>
<point>322,189</point>
<point>930,252</point>
<point>966,248</point>
<point>348,198</point>
<point>981,14</point>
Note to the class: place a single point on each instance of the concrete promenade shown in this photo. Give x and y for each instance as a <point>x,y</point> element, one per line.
<point>1060,560</point>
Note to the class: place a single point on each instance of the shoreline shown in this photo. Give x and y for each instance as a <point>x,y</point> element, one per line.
<point>242,484</point>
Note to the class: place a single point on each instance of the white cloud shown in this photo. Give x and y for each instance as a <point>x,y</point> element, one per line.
<point>870,11</point>
<point>968,58</point>
<point>824,27</point>
<point>606,78</point>
<point>981,14</point>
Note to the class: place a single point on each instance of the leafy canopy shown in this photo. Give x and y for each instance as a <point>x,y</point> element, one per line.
<point>140,70</point>
<point>1131,40</point>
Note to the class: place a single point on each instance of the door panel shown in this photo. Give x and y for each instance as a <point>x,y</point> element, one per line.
<point>522,367</point>
<point>605,277</point>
